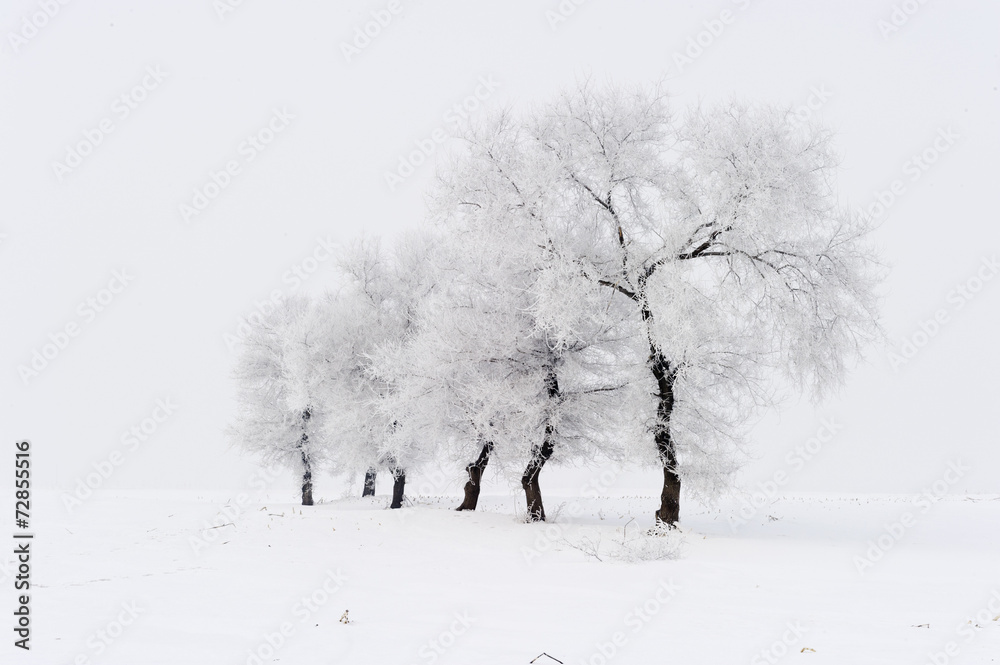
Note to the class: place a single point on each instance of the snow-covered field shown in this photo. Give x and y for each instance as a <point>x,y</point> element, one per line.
<point>140,579</point>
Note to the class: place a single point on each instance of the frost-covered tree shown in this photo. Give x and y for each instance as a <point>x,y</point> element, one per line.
<point>280,374</point>
<point>724,233</point>
<point>517,357</point>
<point>377,307</point>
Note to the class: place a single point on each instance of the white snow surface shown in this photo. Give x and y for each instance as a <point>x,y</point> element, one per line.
<point>427,584</point>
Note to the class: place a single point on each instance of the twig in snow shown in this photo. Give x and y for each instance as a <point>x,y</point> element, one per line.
<point>587,546</point>
<point>625,530</point>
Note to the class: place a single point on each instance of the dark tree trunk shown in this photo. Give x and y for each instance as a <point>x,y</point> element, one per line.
<point>670,498</point>
<point>398,483</point>
<point>664,373</point>
<point>475,484</point>
<point>369,489</point>
<point>307,483</point>
<point>529,481</point>
<point>539,456</point>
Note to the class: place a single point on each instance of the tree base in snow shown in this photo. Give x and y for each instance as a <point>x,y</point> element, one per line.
<point>670,499</point>
<point>475,484</point>
<point>398,484</point>
<point>369,489</point>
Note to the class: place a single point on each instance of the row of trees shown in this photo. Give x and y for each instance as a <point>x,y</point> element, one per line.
<point>598,282</point>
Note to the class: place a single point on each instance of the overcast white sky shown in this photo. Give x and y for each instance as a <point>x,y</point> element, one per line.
<point>889,95</point>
